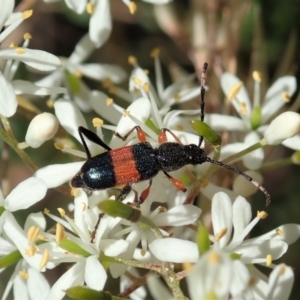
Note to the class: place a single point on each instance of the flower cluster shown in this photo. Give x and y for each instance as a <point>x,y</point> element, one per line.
<point>146,225</point>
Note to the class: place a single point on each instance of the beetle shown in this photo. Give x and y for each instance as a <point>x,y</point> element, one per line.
<point>139,162</point>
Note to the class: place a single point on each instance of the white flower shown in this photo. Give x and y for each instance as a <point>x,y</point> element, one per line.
<point>41,129</point>
<point>285,126</point>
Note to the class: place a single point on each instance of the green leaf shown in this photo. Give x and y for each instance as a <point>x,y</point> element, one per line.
<point>152,126</point>
<point>202,239</point>
<point>85,293</point>
<point>118,209</point>
<point>10,259</point>
<point>209,134</point>
<point>72,247</point>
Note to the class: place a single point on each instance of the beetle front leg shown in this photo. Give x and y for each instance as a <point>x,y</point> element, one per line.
<point>162,137</point>
<point>139,132</point>
<point>178,184</point>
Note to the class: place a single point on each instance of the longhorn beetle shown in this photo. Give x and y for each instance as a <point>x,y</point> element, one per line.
<point>135,163</point>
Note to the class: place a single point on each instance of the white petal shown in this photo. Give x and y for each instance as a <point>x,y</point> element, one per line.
<point>292,143</point>
<point>26,194</point>
<point>36,59</point>
<point>223,122</point>
<point>100,31</point>
<point>8,100</point>
<point>241,210</point>
<point>77,5</point>
<point>245,188</point>
<point>140,108</point>
<point>35,219</point>
<point>113,247</point>
<point>157,289</point>
<point>174,250</point>
<point>178,216</point>
<point>254,159</point>
<point>56,175</point>
<point>288,233</point>
<point>83,49</point>
<point>227,82</point>
<point>280,282</point>
<point>257,251</point>
<point>38,286</point>
<point>285,126</point>
<point>222,216</point>
<point>103,71</point>
<point>274,100</point>
<point>94,274</point>
<point>26,87</point>
<point>74,276</point>
<point>20,289</point>
<point>7,7</point>
<point>240,278</point>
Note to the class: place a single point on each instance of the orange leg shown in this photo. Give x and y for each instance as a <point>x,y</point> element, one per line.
<point>140,134</point>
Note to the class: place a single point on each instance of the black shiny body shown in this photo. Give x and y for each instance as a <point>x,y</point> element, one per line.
<point>135,163</point>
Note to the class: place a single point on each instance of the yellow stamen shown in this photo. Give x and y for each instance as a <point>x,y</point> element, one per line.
<point>106,83</point>
<point>282,270</point>
<point>176,97</point>
<point>59,146</point>
<point>20,50</point>
<point>132,7</point>
<point>90,8</point>
<point>97,122</point>
<point>146,87</point>
<point>155,52</point>
<point>46,211</point>
<point>205,184</point>
<point>213,257</point>
<point>77,74</point>
<point>268,260</point>
<point>243,108</point>
<point>187,266</point>
<point>84,206</point>
<point>32,233</point>
<point>132,60</point>
<point>113,90</point>
<point>27,36</point>
<point>162,208</point>
<point>179,127</point>
<point>31,251</point>
<point>13,45</point>
<point>234,90</point>
<point>27,14</point>
<point>73,192</point>
<point>41,237</point>
<point>221,233</point>
<point>257,76</point>
<point>137,81</point>
<point>45,259</point>
<point>261,214</point>
<point>23,275</point>
<point>126,112</point>
<point>60,233</point>
<point>50,103</point>
<point>286,97</point>
<point>279,232</point>
<point>109,101</point>
<point>61,211</point>
<point>147,72</point>
<point>143,252</point>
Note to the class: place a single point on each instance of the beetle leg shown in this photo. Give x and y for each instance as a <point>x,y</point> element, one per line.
<point>162,137</point>
<point>140,134</point>
<point>124,192</point>
<point>93,137</point>
<point>93,235</point>
<point>145,193</point>
<point>178,184</point>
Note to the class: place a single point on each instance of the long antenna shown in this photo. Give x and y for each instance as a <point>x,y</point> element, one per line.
<point>202,95</point>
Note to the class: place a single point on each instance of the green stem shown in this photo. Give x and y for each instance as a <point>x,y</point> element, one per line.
<point>14,144</point>
<point>276,164</point>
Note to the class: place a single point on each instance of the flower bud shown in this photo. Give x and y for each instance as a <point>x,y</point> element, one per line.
<point>283,127</point>
<point>41,128</point>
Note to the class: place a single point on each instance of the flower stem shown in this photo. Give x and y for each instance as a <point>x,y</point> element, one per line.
<point>276,164</point>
